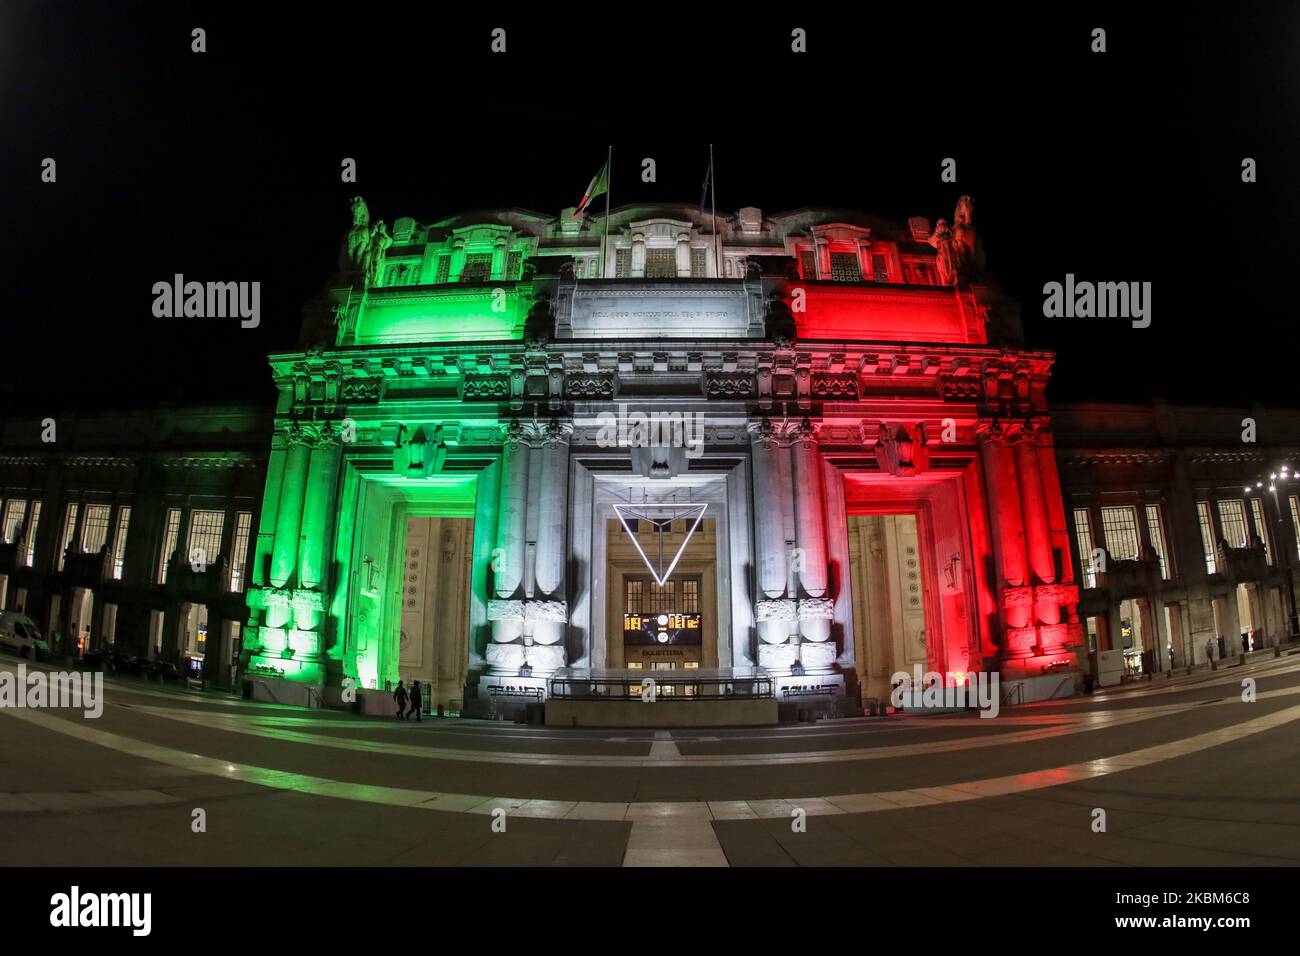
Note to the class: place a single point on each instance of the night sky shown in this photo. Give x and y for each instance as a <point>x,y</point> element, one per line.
<point>1122,166</point>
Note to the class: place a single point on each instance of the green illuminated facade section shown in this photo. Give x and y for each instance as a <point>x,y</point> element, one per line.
<point>389,413</point>
<point>444,315</point>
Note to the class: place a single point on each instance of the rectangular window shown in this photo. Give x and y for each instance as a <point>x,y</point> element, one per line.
<point>1257,512</point>
<point>170,535</point>
<point>205,535</point>
<point>661,263</point>
<point>808,263</point>
<point>844,267</point>
<point>699,262</point>
<point>478,267</point>
<point>31,533</point>
<point>663,600</point>
<point>15,509</point>
<point>880,268</point>
<point>94,528</point>
<point>690,597</point>
<point>444,269</point>
<point>633,597</point>
<point>65,539</point>
<point>239,560</point>
<point>514,262</point>
<point>1083,537</point>
<point>622,263</point>
<point>1232,518</point>
<point>1207,537</point>
<point>1157,529</point>
<point>1119,527</point>
<point>1295,521</point>
<point>119,541</point>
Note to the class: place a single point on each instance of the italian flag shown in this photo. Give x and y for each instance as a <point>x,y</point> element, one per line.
<point>599,185</point>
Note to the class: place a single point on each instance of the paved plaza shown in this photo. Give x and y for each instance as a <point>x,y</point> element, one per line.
<point>1181,772</point>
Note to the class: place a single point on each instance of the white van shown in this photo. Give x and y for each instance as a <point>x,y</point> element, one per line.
<point>19,633</point>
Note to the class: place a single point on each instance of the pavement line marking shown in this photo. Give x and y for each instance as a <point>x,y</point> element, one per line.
<point>656,844</point>
<point>1075,724</point>
<point>663,747</point>
<point>664,833</point>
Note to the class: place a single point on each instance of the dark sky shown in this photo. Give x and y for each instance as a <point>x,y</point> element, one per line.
<point>1123,166</point>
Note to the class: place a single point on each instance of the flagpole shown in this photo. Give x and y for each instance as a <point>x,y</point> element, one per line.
<point>713,192</point>
<point>609,177</point>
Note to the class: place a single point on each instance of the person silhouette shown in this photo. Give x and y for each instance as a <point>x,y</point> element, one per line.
<point>417,701</point>
<point>399,697</point>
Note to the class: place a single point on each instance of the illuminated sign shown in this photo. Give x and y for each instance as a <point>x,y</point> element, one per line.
<point>669,628</point>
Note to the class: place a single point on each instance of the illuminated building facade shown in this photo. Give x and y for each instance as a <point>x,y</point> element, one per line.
<point>510,444</point>
<point>1185,524</point>
<point>133,527</point>
<point>832,417</point>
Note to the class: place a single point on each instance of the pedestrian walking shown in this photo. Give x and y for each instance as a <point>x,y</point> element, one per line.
<point>417,701</point>
<point>399,698</point>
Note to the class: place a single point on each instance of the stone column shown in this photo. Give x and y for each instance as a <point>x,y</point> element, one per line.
<point>549,615</point>
<point>775,615</point>
<point>498,260</point>
<point>1038,540</point>
<point>816,609</point>
<point>638,256</point>
<point>457,260</point>
<point>1015,595</point>
<point>683,254</point>
<point>769,506</point>
<point>505,654</point>
<point>288,514</point>
<point>810,518</point>
<point>318,508</point>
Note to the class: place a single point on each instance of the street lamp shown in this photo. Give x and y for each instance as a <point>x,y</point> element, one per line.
<point>1287,475</point>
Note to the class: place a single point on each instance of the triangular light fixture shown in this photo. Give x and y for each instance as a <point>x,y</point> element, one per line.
<point>661,522</point>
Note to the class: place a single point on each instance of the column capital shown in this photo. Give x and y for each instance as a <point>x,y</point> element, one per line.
<point>1009,433</point>
<point>769,434</point>
<point>555,432</point>
<point>296,434</point>
<point>514,432</point>
<point>804,433</point>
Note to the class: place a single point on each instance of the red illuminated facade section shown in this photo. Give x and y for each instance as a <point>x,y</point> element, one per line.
<point>952,411</point>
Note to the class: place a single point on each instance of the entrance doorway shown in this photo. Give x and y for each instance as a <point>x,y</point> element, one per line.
<point>666,626</point>
<point>193,637</point>
<point>81,610</point>
<point>434,628</point>
<point>889,598</point>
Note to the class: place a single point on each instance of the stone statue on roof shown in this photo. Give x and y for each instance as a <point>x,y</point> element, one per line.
<point>357,240</point>
<point>377,252</point>
<point>959,257</point>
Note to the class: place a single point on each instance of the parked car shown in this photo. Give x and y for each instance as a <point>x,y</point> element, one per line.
<point>19,633</point>
<point>100,659</point>
<point>162,670</point>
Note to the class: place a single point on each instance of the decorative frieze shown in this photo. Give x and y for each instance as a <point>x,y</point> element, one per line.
<point>589,386</point>
<point>729,386</point>
<point>835,385</point>
<point>485,387</point>
<point>356,389</point>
